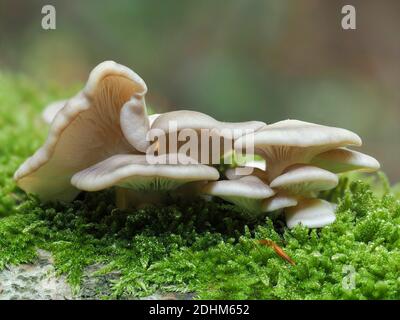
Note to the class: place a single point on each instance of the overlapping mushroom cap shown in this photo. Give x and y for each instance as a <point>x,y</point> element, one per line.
<point>279,201</point>
<point>98,139</point>
<point>305,179</point>
<point>187,119</point>
<point>136,172</point>
<point>51,110</point>
<point>86,130</point>
<point>183,124</point>
<point>248,192</point>
<point>301,160</point>
<point>312,213</point>
<point>342,160</point>
<point>290,142</point>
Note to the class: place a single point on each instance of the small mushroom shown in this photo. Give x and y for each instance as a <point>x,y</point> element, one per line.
<point>84,132</point>
<point>138,173</point>
<point>278,202</point>
<point>247,192</point>
<point>235,173</point>
<point>304,179</point>
<point>51,110</point>
<point>342,160</point>
<point>290,142</point>
<point>311,213</point>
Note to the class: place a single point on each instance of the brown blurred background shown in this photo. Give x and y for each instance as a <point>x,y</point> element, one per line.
<point>236,60</point>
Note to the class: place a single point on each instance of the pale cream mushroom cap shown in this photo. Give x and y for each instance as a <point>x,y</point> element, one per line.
<point>187,119</point>
<point>235,173</point>
<point>311,213</point>
<point>303,179</point>
<point>135,123</point>
<point>278,201</point>
<point>258,164</point>
<point>342,160</point>
<point>140,173</point>
<point>304,134</point>
<point>199,126</point>
<point>246,192</point>
<point>84,132</point>
<point>289,142</point>
<point>153,118</point>
<point>51,110</point>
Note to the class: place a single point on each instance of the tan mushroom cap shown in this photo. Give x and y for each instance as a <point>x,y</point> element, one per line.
<point>51,110</point>
<point>302,179</point>
<point>342,160</point>
<point>278,202</point>
<point>311,213</point>
<point>136,172</point>
<point>84,132</point>
<point>289,142</point>
<point>246,192</point>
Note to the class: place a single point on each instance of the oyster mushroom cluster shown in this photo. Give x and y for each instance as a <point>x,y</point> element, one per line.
<point>301,159</point>
<point>101,138</point>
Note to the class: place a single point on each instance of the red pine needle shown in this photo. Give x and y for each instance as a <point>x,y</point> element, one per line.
<point>279,251</point>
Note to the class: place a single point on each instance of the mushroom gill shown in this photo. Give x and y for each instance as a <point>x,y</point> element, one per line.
<point>143,175</point>
<point>342,160</point>
<point>311,213</point>
<point>86,130</point>
<point>247,192</point>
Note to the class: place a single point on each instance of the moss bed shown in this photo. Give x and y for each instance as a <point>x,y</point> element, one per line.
<point>208,248</point>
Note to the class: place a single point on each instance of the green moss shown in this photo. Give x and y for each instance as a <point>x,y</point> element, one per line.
<point>208,248</point>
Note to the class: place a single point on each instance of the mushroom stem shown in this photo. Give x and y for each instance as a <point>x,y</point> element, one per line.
<point>126,198</point>
<point>191,190</point>
<point>121,198</point>
<point>142,199</point>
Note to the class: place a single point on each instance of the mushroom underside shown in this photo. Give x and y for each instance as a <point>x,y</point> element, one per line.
<point>247,192</point>
<point>305,179</point>
<point>141,172</point>
<point>343,160</point>
<point>85,131</point>
<point>278,202</point>
<point>311,213</point>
